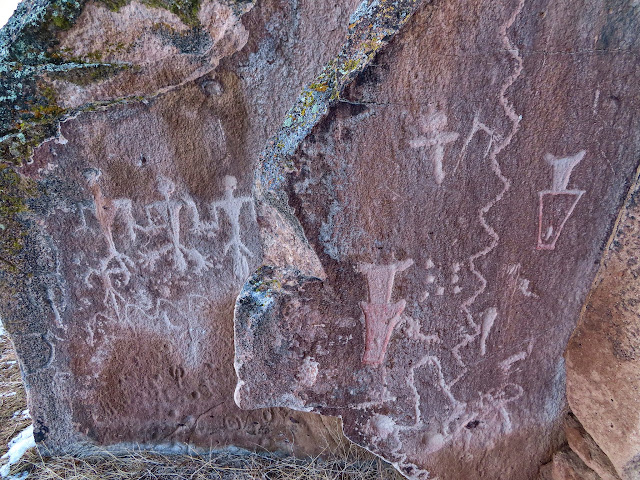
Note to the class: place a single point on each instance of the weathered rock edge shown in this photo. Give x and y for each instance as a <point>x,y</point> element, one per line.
<point>371,27</point>
<point>289,259</point>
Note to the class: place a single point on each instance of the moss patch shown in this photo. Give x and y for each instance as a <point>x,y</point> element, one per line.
<point>14,192</point>
<point>186,10</point>
<point>29,109</point>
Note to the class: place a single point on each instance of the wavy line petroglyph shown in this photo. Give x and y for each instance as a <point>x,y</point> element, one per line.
<point>498,144</point>
<point>491,405</point>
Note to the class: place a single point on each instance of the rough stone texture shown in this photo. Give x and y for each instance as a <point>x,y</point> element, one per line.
<point>586,448</point>
<point>603,361</point>
<point>449,214</point>
<point>133,228</point>
<point>568,466</point>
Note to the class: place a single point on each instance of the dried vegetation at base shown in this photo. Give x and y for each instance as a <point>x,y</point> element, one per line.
<point>12,396</point>
<point>348,463</point>
<point>143,465</point>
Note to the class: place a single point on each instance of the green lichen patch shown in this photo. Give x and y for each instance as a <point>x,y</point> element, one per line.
<point>14,193</point>
<point>28,119</point>
<point>86,75</point>
<point>28,106</point>
<point>371,27</point>
<point>194,41</point>
<point>31,59</point>
<point>186,10</point>
<point>38,36</point>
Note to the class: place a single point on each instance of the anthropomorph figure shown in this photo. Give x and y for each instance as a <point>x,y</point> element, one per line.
<point>168,209</point>
<point>380,314</point>
<point>232,207</point>
<point>557,204</point>
<point>115,264</point>
<point>436,140</point>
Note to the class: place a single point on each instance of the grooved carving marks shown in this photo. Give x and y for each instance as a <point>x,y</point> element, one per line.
<point>464,414</point>
<point>557,204</point>
<point>435,139</point>
<point>381,315</point>
<point>138,242</point>
<point>429,342</point>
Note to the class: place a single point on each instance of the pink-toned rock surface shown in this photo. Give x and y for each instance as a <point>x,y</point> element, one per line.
<point>140,229</point>
<point>568,466</point>
<point>603,363</point>
<point>450,212</point>
<point>586,448</point>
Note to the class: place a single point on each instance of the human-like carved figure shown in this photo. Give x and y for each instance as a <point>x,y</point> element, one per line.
<point>433,126</point>
<point>381,316</point>
<point>232,207</point>
<point>169,209</point>
<point>115,263</point>
<point>557,204</point>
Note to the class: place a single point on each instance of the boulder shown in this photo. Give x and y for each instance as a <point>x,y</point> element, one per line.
<point>603,355</point>
<point>567,465</point>
<point>129,135</point>
<point>586,448</point>
<point>431,239</point>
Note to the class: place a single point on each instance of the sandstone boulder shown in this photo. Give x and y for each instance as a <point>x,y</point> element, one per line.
<point>129,135</point>
<point>431,240</point>
<point>603,362</point>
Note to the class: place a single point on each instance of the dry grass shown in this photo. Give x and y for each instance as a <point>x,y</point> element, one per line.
<point>13,400</point>
<point>151,466</point>
<point>349,463</point>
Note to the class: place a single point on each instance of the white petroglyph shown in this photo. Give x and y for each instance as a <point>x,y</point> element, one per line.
<point>438,289</point>
<point>489,411</point>
<point>488,319</point>
<point>435,139</point>
<point>495,147</point>
<point>476,126</point>
<point>553,216</point>
<point>232,207</point>
<point>508,362</point>
<point>517,282</point>
<point>171,234</point>
<point>167,211</point>
<point>54,308</point>
<point>308,372</point>
<point>562,168</point>
<point>413,330</point>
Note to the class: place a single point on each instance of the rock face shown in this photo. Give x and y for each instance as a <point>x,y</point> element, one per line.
<point>132,229</point>
<point>602,355</point>
<point>431,241</point>
<point>420,234</point>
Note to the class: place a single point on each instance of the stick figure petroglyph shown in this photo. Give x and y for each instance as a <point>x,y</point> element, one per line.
<point>168,209</point>
<point>232,207</point>
<point>116,264</point>
<point>433,125</point>
<point>557,204</point>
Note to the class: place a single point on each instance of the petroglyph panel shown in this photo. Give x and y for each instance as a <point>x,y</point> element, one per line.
<point>457,197</point>
<point>155,268</point>
<point>143,228</point>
